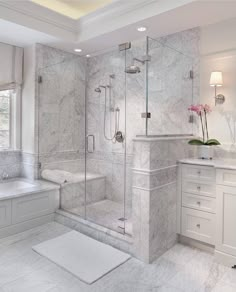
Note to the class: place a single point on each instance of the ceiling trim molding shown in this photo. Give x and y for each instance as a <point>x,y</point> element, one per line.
<point>29,14</point>
<point>105,19</point>
<point>120,14</point>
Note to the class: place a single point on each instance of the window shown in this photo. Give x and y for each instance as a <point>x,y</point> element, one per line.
<point>10,119</point>
<point>5,118</point>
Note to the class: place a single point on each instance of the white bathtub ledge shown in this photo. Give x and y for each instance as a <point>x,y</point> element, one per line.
<point>37,186</point>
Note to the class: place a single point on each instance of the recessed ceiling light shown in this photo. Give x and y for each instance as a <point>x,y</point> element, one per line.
<point>78,50</point>
<point>141,28</point>
<point>88,55</point>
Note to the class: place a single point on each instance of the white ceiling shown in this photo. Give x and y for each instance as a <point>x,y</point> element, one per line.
<point>27,24</point>
<point>18,35</point>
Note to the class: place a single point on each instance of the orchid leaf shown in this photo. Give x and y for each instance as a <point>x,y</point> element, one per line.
<point>212,142</point>
<point>195,142</point>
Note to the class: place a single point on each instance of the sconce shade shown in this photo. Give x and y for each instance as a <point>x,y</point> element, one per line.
<point>216,79</point>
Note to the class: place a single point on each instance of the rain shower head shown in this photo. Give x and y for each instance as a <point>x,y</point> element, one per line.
<point>132,69</point>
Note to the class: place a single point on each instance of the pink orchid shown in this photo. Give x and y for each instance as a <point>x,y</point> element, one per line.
<point>202,111</point>
<point>196,108</point>
<point>207,108</point>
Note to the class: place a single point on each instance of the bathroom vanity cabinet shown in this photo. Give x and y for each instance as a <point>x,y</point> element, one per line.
<point>207,205</point>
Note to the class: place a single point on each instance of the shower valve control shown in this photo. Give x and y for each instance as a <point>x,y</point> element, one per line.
<point>119,137</point>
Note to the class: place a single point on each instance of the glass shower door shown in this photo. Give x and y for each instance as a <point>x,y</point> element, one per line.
<point>61,126</point>
<point>106,140</point>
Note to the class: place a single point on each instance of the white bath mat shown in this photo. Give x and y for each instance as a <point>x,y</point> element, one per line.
<point>84,257</point>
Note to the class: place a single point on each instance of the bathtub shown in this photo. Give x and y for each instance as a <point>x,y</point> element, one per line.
<point>13,186</point>
<point>26,204</point>
<point>19,186</point>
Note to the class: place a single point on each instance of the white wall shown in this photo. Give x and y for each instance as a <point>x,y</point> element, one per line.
<point>218,53</point>
<point>28,101</point>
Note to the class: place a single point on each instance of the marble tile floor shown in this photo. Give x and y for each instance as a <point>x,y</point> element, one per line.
<point>181,269</point>
<point>106,213</point>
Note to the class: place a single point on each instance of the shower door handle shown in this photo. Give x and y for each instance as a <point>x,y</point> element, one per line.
<point>89,150</point>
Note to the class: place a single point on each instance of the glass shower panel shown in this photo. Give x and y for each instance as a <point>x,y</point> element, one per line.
<point>170,90</point>
<point>61,126</point>
<point>106,139</point>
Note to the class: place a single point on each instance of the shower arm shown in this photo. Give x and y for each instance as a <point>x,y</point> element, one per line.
<point>138,60</point>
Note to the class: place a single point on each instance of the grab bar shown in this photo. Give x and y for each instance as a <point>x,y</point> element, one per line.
<point>93,140</point>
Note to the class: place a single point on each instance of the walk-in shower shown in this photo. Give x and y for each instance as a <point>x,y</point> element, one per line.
<point>82,113</point>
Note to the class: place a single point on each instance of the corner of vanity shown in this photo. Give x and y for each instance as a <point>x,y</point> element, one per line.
<point>206,215</point>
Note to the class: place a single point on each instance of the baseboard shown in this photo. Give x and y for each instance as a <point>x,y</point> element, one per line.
<point>225,259</point>
<point>23,226</point>
<point>195,243</point>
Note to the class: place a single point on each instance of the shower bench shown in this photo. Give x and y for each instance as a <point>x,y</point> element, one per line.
<point>72,187</point>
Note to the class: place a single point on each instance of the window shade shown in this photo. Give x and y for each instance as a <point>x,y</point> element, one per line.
<point>11,62</point>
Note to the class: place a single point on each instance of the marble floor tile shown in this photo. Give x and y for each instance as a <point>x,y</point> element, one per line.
<point>200,272</point>
<point>221,287</point>
<point>180,254</point>
<point>230,277</point>
<point>181,269</point>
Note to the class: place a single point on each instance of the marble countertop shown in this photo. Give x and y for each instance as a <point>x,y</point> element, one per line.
<point>161,138</point>
<point>217,163</point>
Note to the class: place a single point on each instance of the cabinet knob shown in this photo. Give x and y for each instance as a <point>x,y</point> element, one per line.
<point>199,203</point>
<point>199,172</point>
<point>198,187</point>
<point>198,225</point>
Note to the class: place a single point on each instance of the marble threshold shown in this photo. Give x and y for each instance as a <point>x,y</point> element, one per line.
<point>96,227</point>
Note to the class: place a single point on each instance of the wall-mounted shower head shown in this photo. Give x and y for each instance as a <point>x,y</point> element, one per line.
<point>133,69</point>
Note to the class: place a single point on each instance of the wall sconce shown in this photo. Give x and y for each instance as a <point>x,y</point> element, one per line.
<point>217,81</point>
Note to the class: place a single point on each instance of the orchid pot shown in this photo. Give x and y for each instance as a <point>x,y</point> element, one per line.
<point>205,152</point>
<point>205,149</point>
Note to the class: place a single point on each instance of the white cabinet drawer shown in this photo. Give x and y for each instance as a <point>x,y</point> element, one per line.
<point>198,225</point>
<point>196,172</point>
<point>33,206</point>
<point>198,188</point>
<point>201,203</point>
<point>5,213</point>
<point>226,177</point>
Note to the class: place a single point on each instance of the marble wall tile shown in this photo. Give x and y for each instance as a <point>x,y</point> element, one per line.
<point>155,194</point>
<point>10,164</point>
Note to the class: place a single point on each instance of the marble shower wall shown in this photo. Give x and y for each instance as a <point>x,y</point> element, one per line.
<point>171,91</point>
<point>108,158</point>
<point>60,121</point>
